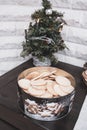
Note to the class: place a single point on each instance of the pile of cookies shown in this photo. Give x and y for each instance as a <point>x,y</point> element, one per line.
<point>45,84</point>
<point>84,74</point>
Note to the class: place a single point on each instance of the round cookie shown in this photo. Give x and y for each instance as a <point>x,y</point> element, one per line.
<point>35,92</point>
<point>61,80</point>
<point>67,89</point>
<point>42,75</point>
<point>50,85</point>
<point>59,91</point>
<point>38,82</point>
<point>24,83</point>
<point>39,87</point>
<point>32,75</point>
<point>46,95</point>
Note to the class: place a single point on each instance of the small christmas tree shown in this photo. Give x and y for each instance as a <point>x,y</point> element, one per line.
<point>43,37</point>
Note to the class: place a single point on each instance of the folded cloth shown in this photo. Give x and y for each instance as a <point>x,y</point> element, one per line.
<point>81,123</point>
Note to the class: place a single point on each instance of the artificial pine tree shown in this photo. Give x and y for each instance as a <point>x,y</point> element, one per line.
<point>43,37</point>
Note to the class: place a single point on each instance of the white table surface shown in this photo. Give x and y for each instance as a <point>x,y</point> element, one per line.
<point>81,123</point>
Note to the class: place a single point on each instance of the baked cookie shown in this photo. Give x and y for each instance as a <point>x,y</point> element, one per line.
<point>39,87</point>
<point>35,92</point>
<point>24,83</point>
<point>61,80</point>
<point>50,85</point>
<point>38,82</point>
<point>59,91</point>
<point>32,75</point>
<point>44,75</point>
<point>46,95</point>
<point>67,89</point>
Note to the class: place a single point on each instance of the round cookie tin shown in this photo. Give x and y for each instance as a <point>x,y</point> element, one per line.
<point>45,108</point>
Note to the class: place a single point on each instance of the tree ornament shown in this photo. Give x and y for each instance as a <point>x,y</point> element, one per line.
<point>48,11</point>
<point>60,27</point>
<point>38,20</point>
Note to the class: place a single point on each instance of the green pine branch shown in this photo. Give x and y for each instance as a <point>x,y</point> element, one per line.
<point>47,23</point>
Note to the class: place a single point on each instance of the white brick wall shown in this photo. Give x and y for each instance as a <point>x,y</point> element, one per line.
<point>15,17</point>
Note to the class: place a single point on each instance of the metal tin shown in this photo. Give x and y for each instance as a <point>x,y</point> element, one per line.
<point>46,109</point>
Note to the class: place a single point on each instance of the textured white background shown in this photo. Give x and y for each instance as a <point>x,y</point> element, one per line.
<point>15,17</point>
